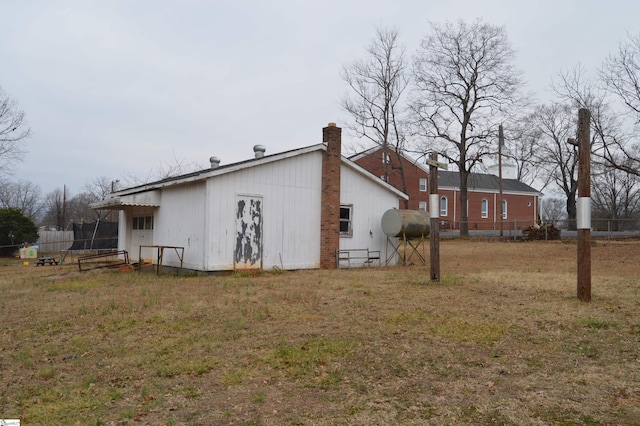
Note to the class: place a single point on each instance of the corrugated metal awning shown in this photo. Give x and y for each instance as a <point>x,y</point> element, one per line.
<point>143,199</point>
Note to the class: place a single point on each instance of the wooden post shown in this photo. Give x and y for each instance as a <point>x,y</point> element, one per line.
<point>500,143</point>
<point>434,210</point>
<point>584,206</point>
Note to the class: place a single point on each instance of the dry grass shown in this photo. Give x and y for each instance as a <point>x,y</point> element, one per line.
<point>501,340</point>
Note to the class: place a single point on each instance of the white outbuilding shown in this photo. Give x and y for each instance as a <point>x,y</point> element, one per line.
<point>291,210</point>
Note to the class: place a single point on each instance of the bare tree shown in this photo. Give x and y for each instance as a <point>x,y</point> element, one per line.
<point>98,189</point>
<point>22,195</point>
<point>620,75</point>
<point>57,209</point>
<point>612,144</point>
<point>552,125</point>
<point>13,129</point>
<point>553,209</point>
<point>166,170</point>
<point>79,210</point>
<point>615,195</point>
<point>466,85</point>
<point>524,138</point>
<point>377,84</point>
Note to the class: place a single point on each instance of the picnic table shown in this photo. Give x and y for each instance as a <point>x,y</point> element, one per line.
<point>46,260</point>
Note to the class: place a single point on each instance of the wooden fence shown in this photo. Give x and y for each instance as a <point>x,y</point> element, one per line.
<point>54,241</point>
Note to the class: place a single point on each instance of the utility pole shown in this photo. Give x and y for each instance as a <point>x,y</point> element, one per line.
<point>500,143</point>
<point>113,183</point>
<point>584,206</point>
<point>434,213</point>
<point>64,207</point>
<point>434,207</point>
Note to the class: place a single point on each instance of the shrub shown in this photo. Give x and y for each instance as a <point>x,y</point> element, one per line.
<point>15,229</point>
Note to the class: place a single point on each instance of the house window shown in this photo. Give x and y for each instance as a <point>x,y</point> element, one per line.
<point>385,158</point>
<point>484,208</point>
<point>143,222</point>
<point>346,213</point>
<point>443,206</point>
<point>383,177</point>
<point>423,185</point>
<point>504,209</point>
<point>423,206</point>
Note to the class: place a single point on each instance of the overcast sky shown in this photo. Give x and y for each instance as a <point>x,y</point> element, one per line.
<point>113,88</point>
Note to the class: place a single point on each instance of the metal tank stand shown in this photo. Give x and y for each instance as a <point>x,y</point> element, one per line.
<point>409,247</point>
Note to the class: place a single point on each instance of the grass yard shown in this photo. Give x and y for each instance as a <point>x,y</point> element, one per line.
<point>501,340</point>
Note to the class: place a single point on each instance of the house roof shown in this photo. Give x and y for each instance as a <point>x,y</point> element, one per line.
<point>483,182</point>
<point>365,153</point>
<point>451,180</point>
<point>132,196</point>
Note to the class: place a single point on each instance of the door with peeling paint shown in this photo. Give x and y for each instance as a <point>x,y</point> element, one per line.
<point>248,241</point>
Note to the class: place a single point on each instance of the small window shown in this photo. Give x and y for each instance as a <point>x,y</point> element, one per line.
<point>423,185</point>
<point>443,206</point>
<point>346,228</point>
<point>383,177</point>
<point>504,209</point>
<point>484,208</point>
<point>143,222</point>
<point>385,158</point>
<point>423,206</point>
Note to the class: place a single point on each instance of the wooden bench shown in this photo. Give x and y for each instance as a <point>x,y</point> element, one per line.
<point>46,260</point>
<point>363,256</point>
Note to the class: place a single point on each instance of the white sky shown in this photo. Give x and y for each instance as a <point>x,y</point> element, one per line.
<point>114,88</point>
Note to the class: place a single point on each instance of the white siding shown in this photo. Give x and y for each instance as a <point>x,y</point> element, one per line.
<point>290,191</point>
<point>201,216</point>
<point>130,239</point>
<point>179,221</point>
<point>370,200</point>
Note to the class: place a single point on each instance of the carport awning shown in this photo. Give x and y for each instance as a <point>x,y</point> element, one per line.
<point>116,202</point>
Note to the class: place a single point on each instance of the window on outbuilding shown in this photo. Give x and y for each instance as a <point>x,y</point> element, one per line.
<point>346,212</point>
<point>142,222</point>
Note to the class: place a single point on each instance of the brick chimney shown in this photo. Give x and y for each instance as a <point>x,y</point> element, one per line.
<point>330,198</point>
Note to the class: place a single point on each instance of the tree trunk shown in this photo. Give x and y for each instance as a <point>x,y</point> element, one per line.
<point>571,210</point>
<point>402,178</point>
<point>464,213</point>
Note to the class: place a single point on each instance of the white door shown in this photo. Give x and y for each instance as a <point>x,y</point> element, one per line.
<point>248,247</point>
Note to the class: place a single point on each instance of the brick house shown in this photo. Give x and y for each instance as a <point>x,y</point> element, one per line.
<point>416,175</point>
<point>521,202</point>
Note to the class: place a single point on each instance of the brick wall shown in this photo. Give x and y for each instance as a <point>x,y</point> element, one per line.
<point>521,210</point>
<point>373,162</point>
<point>330,197</point>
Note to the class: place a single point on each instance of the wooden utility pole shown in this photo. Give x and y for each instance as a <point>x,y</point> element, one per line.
<point>584,206</point>
<point>434,213</point>
<point>434,210</point>
<point>500,143</point>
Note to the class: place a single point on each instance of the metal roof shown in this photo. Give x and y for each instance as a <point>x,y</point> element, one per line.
<point>483,182</point>
<point>122,198</point>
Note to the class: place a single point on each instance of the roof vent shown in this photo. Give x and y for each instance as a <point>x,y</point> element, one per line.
<point>215,162</point>
<point>259,150</point>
